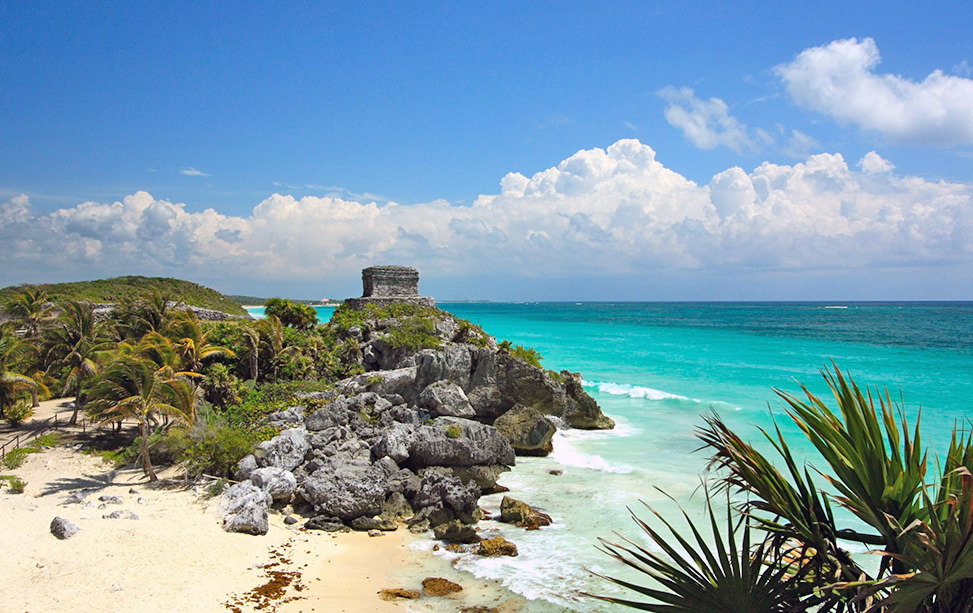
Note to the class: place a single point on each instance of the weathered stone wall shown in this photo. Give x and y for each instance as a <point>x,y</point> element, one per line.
<point>389,284</point>
<point>388,281</point>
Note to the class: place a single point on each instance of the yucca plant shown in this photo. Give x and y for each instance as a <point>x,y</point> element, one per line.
<point>921,524</point>
<point>716,575</point>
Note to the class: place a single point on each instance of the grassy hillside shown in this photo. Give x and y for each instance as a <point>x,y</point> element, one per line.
<point>119,288</point>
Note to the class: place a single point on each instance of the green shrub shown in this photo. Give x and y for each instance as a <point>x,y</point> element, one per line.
<point>414,334</point>
<point>19,413</point>
<point>16,484</point>
<point>454,431</point>
<point>46,440</point>
<point>519,352</point>
<point>211,449</point>
<point>15,458</point>
<point>471,334</point>
<point>345,317</point>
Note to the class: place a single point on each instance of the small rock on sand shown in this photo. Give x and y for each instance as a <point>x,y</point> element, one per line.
<point>63,529</point>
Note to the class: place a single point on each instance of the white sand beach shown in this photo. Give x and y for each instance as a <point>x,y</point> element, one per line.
<point>175,556</point>
<point>166,549</point>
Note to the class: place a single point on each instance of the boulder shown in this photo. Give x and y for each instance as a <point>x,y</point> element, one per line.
<point>332,415</point>
<point>483,390</point>
<point>345,490</point>
<point>286,450</point>
<point>455,531</point>
<point>245,509</point>
<point>528,431</point>
<point>396,507</point>
<point>288,418</point>
<point>437,586</point>
<point>367,524</point>
<point>528,385</point>
<point>326,524</point>
<point>63,529</point>
<point>497,546</point>
<point>443,398</point>
<point>483,475</point>
<point>452,441</point>
<point>582,411</point>
<point>245,467</point>
<point>519,513</point>
<point>404,482</point>
<point>399,381</point>
<point>442,498</point>
<point>277,482</point>
<point>395,442</point>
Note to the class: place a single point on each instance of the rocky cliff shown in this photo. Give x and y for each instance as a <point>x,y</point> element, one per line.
<point>439,411</point>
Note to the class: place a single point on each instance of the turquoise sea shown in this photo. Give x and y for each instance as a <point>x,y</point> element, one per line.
<point>656,368</point>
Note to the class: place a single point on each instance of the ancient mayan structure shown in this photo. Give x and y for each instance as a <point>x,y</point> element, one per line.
<point>388,284</point>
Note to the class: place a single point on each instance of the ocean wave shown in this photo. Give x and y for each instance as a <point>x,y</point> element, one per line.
<point>566,454</point>
<point>632,391</point>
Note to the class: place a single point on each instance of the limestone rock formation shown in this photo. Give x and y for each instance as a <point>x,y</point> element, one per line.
<point>246,509</point>
<point>439,413</point>
<point>528,431</point>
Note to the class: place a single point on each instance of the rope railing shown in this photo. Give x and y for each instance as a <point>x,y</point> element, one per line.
<point>24,437</point>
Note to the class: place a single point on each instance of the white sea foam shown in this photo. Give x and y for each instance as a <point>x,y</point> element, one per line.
<point>633,391</point>
<point>567,454</point>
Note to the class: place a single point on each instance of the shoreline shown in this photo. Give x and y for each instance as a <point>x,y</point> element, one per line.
<point>167,549</point>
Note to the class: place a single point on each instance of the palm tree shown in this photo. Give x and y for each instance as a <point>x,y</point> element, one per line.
<point>72,345</point>
<point>290,313</point>
<point>251,350</point>
<point>265,347</point>
<point>133,388</point>
<point>31,307</point>
<point>192,342</point>
<point>134,318</point>
<point>12,382</point>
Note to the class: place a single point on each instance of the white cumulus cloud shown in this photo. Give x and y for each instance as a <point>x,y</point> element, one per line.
<point>839,79</point>
<point>706,123</point>
<point>599,213</point>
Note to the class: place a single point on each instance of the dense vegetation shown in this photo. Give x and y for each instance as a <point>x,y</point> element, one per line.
<point>196,390</point>
<point>120,289</point>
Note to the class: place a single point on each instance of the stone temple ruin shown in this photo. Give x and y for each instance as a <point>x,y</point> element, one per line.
<point>390,284</point>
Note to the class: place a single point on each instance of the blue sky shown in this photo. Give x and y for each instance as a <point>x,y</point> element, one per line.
<point>543,150</point>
